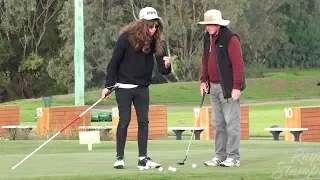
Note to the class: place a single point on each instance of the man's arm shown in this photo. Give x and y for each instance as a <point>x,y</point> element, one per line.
<point>235,55</point>
<point>114,64</point>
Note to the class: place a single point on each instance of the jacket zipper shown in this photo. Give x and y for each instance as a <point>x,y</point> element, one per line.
<point>220,77</point>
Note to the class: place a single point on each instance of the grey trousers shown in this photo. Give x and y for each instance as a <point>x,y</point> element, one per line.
<point>226,124</point>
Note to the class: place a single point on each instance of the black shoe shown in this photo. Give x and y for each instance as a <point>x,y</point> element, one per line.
<point>119,163</point>
<point>147,163</point>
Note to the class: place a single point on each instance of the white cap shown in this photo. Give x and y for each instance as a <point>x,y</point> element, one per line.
<point>148,13</point>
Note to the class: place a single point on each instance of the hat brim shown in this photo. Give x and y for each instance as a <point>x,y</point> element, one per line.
<point>221,23</point>
<point>151,17</point>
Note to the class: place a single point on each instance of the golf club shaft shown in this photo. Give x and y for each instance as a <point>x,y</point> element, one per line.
<point>60,131</point>
<point>35,150</point>
<point>80,115</point>
<point>56,134</point>
<point>194,126</point>
<point>192,133</point>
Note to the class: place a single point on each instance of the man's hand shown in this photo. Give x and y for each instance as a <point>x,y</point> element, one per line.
<point>105,91</point>
<point>235,94</point>
<point>167,61</point>
<point>203,88</point>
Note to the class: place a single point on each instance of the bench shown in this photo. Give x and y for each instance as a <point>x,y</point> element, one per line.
<point>295,131</point>
<point>179,130</point>
<point>12,130</point>
<point>106,129</point>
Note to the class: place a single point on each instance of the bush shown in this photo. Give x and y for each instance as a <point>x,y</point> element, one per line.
<point>293,71</point>
<point>254,70</point>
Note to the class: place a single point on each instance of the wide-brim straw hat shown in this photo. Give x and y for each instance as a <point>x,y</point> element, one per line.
<point>214,16</point>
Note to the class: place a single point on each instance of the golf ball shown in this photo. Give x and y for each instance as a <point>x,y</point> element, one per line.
<point>194,165</point>
<point>174,169</point>
<point>160,169</point>
<point>170,168</point>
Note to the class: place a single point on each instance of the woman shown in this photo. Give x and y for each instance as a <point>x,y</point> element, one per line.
<point>131,67</point>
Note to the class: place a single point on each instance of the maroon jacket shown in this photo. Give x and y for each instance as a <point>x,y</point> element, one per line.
<point>235,56</point>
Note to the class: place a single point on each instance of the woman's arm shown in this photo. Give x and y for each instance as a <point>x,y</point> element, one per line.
<point>114,64</point>
<point>161,63</point>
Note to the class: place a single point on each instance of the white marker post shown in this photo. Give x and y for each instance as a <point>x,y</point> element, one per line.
<point>89,137</point>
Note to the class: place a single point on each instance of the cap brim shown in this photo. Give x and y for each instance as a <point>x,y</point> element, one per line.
<point>221,23</point>
<point>151,17</point>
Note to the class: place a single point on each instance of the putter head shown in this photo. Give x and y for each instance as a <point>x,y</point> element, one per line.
<point>182,163</point>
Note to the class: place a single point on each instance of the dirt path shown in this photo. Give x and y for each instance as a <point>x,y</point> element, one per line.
<point>283,101</point>
<point>252,103</point>
<point>174,106</point>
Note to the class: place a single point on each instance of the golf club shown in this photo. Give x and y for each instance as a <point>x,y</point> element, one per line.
<point>74,120</point>
<point>197,117</point>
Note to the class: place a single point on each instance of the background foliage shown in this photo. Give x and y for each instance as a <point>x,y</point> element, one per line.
<point>37,39</point>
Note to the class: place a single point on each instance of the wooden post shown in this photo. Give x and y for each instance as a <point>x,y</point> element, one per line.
<point>158,127</point>
<point>115,121</point>
<point>206,122</point>
<point>310,118</point>
<point>9,115</point>
<point>292,120</point>
<point>244,124</point>
<point>303,117</point>
<point>51,120</point>
<point>43,124</point>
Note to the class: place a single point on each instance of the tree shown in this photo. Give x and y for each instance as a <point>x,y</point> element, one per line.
<point>25,23</point>
<point>102,22</point>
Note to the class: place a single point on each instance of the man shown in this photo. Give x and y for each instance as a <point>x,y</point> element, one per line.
<point>131,67</point>
<point>222,72</point>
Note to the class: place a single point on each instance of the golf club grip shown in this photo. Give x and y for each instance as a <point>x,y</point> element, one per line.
<point>204,94</point>
<point>111,90</point>
<point>108,93</point>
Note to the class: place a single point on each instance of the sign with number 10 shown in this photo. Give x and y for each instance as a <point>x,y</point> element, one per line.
<point>288,112</point>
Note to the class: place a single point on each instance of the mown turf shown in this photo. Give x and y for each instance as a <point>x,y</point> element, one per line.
<point>261,116</point>
<point>277,85</point>
<point>68,160</point>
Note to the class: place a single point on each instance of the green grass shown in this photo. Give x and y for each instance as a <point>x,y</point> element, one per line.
<point>277,85</point>
<point>68,160</point>
<point>261,116</point>
<point>28,107</point>
<point>295,72</point>
<point>184,93</point>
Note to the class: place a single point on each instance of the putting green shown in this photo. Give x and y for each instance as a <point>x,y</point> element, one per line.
<point>59,159</point>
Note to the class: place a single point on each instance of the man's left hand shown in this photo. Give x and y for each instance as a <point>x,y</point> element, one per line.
<point>235,94</point>
<point>167,61</point>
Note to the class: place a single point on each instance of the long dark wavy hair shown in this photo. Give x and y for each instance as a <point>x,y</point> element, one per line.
<point>139,35</point>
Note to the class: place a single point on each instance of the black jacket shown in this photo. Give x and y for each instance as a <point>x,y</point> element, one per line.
<point>132,67</point>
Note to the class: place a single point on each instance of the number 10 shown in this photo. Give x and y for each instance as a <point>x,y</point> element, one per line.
<point>288,112</point>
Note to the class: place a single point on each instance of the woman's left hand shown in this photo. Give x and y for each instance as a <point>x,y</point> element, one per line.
<point>167,61</point>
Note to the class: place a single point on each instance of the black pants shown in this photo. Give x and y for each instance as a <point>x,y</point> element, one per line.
<point>140,98</point>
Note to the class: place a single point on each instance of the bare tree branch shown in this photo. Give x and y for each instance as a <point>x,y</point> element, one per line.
<point>133,11</point>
